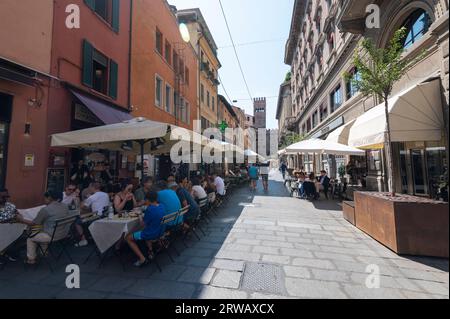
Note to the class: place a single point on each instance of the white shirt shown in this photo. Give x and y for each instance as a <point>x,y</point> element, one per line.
<point>264,170</point>
<point>97,202</point>
<point>68,199</point>
<point>199,192</point>
<point>220,186</point>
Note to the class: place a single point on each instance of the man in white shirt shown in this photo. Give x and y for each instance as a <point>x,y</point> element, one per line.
<point>220,185</point>
<point>70,197</point>
<point>97,201</point>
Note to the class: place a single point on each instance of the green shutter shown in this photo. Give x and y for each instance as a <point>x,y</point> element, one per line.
<point>115,15</point>
<point>87,64</point>
<point>113,79</point>
<point>90,4</point>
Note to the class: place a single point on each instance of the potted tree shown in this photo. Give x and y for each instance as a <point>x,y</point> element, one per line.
<point>406,224</point>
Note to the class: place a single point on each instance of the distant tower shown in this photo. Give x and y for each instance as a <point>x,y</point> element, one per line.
<point>259,108</point>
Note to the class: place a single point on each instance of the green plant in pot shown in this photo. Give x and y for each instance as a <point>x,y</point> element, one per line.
<point>341,172</point>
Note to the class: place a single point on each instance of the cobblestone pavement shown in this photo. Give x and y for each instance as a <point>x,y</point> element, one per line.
<point>259,246</point>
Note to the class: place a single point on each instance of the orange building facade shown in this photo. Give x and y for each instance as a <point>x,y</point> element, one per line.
<point>163,66</point>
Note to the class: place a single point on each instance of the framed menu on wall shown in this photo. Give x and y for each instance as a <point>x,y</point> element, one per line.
<point>56,179</point>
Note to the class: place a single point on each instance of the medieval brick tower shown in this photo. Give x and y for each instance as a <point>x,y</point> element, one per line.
<point>259,108</point>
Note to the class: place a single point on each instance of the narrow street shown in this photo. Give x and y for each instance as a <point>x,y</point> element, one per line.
<point>259,246</point>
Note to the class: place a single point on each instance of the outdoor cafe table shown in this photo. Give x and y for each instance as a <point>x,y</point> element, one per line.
<point>108,231</point>
<point>9,233</point>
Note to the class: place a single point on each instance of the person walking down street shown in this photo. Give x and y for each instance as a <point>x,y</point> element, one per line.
<point>283,169</point>
<point>254,176</point>
<point>324,183</point>
<point>264,171</point>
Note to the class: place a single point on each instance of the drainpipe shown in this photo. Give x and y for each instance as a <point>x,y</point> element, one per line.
<point>130,55</point>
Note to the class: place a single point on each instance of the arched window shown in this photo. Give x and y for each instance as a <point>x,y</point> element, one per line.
<point>417,24</point>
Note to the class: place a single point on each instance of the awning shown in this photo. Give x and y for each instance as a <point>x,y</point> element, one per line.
<point>341,134</point>
<point>318,146</point>
<point>106,113</point>
<point>415,115</point>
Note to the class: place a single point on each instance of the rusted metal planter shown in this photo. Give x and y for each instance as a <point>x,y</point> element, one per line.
<point>406,224</point>
<point>348,211</point>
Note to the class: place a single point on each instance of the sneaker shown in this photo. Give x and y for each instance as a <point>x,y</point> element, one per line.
<point>10,258</point>
<point>82,243</point>
<point>140,263</point>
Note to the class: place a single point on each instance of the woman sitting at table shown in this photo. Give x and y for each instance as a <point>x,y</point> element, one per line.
<point>124,201</point>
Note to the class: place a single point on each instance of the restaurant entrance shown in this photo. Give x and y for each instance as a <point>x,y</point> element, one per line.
<point>5,120</point>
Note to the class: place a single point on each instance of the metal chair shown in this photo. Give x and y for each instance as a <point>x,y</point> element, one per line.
<point>60,236</point>
<point>165,237</point>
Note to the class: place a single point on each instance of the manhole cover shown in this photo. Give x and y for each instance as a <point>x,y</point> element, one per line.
<point>263,278</point>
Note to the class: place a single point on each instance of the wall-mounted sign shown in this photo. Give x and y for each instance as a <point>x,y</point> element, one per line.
<point>330,127</point>
<point>84,115</point>
<point>29,160</point>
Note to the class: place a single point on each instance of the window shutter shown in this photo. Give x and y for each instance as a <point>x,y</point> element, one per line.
<point>90,4</point>
<point>87,64</point>
<point>113,79</point>
<point>115,15</point>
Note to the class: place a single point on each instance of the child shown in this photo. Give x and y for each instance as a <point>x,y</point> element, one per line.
<point>152,229</point>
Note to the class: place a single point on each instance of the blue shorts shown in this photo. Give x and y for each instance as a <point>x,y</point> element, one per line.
<point>137,236</point>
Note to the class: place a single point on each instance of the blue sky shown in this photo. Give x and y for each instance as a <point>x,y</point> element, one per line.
<point>263,63</point>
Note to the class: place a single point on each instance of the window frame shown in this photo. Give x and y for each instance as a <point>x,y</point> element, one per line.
<point>161,42</point>
<point>168,98</point>
<point>161,91</point>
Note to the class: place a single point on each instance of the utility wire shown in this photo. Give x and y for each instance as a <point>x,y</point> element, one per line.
<point>235,51</point>
<point>252,43</point>
<point>223,87</point>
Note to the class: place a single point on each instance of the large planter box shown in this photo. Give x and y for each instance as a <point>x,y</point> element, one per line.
<point>406,224</point>
<point>348,211</point>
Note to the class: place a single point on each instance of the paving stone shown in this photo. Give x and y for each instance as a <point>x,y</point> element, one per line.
<point>227,279</point>
<point>314,289</point>
<point>287,234</point>
<point>362,292</point>
<point>298,272</point>
<point>272,238</point>
<point>433,287</point>
<point>300,225</point>
<point>244,241</point>
<point>197,275</point>
<point>276,259</point>
<point>261,232</point>
<point>325,242</point>
<point>266,250</point>
<point>296,252</point>
<point>237,255</point>
<point>169,272</point>
<point>330,275</point>
<point>313,263</point>
<point>269,243</point>
<point>199,261</point>
<point>81,294</point>
<point>237,247</point>
<point>199,252</point>
<point>333,256</point>
<point>112,284</point>
<point>228,264</point>
<point>258,295</point>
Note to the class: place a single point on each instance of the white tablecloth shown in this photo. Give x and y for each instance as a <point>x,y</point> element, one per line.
<point>9,233</point>
<point>106,232</point>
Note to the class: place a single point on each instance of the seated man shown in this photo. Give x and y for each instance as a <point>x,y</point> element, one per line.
<point>46,218</point>
<point>141,193</point>
<point>70,197</point>
<point>186,200</point>
<point>152,228</point>
<point>170,200</point>
<point>219,184</point>
<point>96,203</point>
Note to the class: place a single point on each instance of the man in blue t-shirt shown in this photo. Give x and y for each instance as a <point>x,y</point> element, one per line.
<point>152,229</point>
<point>186,199</point>
<point>170,200</point>
<point>253,173</point>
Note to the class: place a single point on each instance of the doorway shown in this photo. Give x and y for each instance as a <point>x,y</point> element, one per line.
<point>418,172</point>
<point>6,102</point>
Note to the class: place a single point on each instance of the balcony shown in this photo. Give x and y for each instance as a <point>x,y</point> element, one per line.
<point>353,15</point>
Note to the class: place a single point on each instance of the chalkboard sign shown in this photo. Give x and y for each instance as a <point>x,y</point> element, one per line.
<point>56,179</point>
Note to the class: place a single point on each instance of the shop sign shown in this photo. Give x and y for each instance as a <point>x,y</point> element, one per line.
<point>84,115</point>
<point>29,160</point>
<point>331,127</point>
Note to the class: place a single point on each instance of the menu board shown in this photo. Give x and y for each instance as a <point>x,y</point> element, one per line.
<point>56,179</point>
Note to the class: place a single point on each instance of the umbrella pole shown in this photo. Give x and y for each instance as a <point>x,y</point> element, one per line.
<point>141,143</point>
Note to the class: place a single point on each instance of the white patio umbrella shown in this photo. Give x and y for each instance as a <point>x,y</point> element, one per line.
<point>323,147</point>
<point>250,153</point>
<point>130,136</point>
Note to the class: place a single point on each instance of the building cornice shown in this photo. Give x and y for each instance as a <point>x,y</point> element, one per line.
<point>296,22</point>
